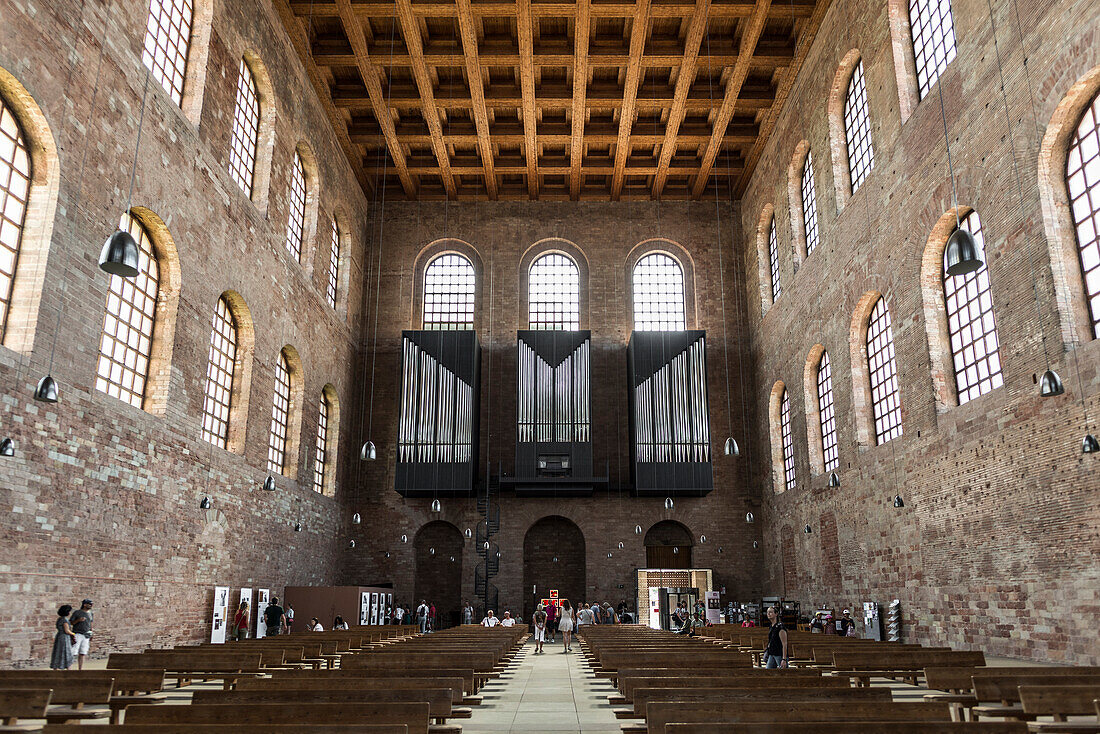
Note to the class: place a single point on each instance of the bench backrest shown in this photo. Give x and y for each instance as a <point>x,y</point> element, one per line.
<point>23,704</point>
<point>644,696</point>
<point>307,683</point>
<point>413,715</point>
<point>467,676</point>
<point>296,728</point>
<point>396,657</point>
<point>1006,686</point>
<point>906,660</point>
<point>627,685</point>
<point>134,680</point>
<point>175,661</point>
<point>659,713</point>
<point>1059,700</point>
<point>850,727</point>
<point>438,699</point>
<point>76,690</point>
<point>961,678</point>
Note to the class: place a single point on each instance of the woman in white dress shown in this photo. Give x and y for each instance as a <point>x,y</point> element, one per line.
<point>565,624</point>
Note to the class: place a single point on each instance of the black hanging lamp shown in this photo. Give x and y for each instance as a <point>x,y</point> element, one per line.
<point>1050,384</point>
<point>731,447</point>
<point>7,447</point>
<point>368,452</point>
<point>120,254</point>
<point>351,543</point>
<point>437,506</point>
<point>669,504</point>
<point>269,484</point>
<point>1089,445</point>
<point>204,503</point>
<point>297,527</point>
<point>749,517</point>
<point>356,519</point>
<point>47,390</point>
<point>898,501</point>
<point>834,479</point>
<point>961,254</point>
<point>807,529</point>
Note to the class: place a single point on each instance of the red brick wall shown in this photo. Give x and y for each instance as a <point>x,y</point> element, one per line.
<point>996,546</point>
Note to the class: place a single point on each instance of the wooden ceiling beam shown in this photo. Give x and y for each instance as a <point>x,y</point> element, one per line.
<point>581,27</point>
<point>753,29</point>
<point>410,31</point>
<point>525,34</point>
<point>477,94</point>
<point>519,138</point>
<point>771,58</point>
<point>503,8</point>
<point>556,97</point>
<point>518,167</point>
<point>693,39</point>
<point>369,75</point>
<point>638,33</point>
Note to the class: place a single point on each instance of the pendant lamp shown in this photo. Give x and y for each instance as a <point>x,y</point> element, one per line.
<point>702,539</point>
<point>1088,445</point>
<point>637,529</point>
<point>437,506</point>
<point>7,447</point>
<point>404,539</point>
<point>351,544</point>
<point>356,519</point>
<point>620,545</point>
<point>609,554</point>
<point>120,255</point>
<point>669,504</point>
<point>961,254</point>
<point>269,484</point>
<point>205,503</point>
<point>898,501</point>
<point>1050,385</point>
<point>469,533</point>
<point>834,479</point>
<point>297,527</point>
<point>47,390</point>
<point>368,452</point>
<point>732,449</point>
<point>807,530</point>
<point>749,517</point>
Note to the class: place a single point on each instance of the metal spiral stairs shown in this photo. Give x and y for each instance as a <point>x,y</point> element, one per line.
<point>487,549</point>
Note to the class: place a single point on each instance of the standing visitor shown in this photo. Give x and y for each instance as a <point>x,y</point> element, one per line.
<point>552,619</point>
<point>845,626</point>
<point>565,625</point>
<point>817,624</point>
<point>776,652</point>
<point>540,628</point>
<point>467,613</point>
<point>432,621</point>
<point>507,621</point>
<point>339,623</point>
<point>64,641</point>
<point>239,629</point>
<point>422,615</point>
<point>81,624</point>
<point>289,617</point>
<point>584,616</point>
<point>398,614</point>
<point>490,620</point>
<point>274,617</point>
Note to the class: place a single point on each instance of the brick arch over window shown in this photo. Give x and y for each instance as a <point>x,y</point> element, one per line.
<point>687,265</point>
<point>18,329</point>
<point>326,441</point>
<point>763,257</point>
<point>308,200</point>
<point>1058,216</point>
<point>293,410</point>
<point>533,253</point>
<point>343,260</point>
<point>668,544</point>
<point>861,377</point>
<point>775,431</point>
<point>242,370</point>
<point>426,256</point>
<point>813,411</point>
<point>265,137</point>
<point>794,196</point>
<point>838,139</point>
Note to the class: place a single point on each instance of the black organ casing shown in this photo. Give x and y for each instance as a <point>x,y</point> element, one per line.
<point>669,414</point>
<point>437,429</point>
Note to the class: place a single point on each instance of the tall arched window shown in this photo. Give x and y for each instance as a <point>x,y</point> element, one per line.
<point>658,284</point>
<point>246,130</point>
<point>554,293</point>
<point>788,440</point>
<point>971,325</point>
<point>809,204</point>
<point>1083,184</point>
<point>220,372</point>
<point>333,265</point>
<point>883,369</point>
<point>127,341</point>
<point>827,413</point>
<point>857,129</point>
<point>15,184</point>
<point>449,291</point>
<point>280,417</point>
<point>933,40</point>
<point>167,37</point>
<point>773,261</point>
<point>321,457</point>
<point>296,220</point>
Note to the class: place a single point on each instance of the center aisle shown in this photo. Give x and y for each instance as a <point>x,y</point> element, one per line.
<point>552,692</point>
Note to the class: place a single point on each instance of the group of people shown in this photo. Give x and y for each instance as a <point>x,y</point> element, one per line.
<point>277,619</point>
<point>825,624</point>
<point>74,636</point>
<point>507,620</point>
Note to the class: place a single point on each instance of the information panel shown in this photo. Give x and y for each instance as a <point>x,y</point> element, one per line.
<point>221,611</point>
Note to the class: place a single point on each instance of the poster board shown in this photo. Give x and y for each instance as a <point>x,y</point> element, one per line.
<point>246,595</point>
<point>221,611</point>
<point>364,607</point>
<point>655,607</point>
<point>389,607</point>
<point>714,607</point>
<point>263,596</point>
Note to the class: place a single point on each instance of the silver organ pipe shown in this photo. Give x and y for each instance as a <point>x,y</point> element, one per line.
<point>552,404</point>
<point>671,417</point>
<point>437,411</point>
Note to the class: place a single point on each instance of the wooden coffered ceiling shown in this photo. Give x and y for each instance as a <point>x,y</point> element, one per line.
<point>530,99</point>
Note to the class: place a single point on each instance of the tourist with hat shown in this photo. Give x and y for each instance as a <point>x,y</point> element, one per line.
<point>81,624</point>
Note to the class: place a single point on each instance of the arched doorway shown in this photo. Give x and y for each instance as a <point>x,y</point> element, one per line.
<point>668,545</point>
<point>438,578</point>
<point>553,558</point>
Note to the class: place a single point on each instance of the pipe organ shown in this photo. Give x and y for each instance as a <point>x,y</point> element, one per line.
<point>553,412</point>
<point>437,432</point>
<point>669,414</point>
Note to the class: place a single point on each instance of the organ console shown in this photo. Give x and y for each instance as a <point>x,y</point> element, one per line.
<point>669,414</point>
<point>437,434</point>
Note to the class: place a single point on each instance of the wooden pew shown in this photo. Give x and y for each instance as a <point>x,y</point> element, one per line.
<point>645,696</point>
<point>906,665</point>
<point>1059,702</point>
<point>138,685</point>
<point>297,728</point>
<point>379,664</point>
<point>309,683</point>
<point>22,704</point>
<point>1003,687</point>
<point>188,666</point>
<point>469,679</point>
<point>849,727</point>
<point>70,696</point>
<point>955,685</point>
<point>757,678</point>
<point>659,713</point>
<point>413,715</point>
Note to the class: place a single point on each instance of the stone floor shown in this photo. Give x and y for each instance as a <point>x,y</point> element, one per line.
<point>552,692</point>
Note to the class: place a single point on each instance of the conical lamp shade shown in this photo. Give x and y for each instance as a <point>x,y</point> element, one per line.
<point>834,479</point>
<point>898,501</point>
<point>368,452</point>
<point>47,391</point>
<point>437,506</point>
<point>269,484</point>
<point>961,254</point>
<point>731,448</point>
<point>7,447</point>
<point>297,527</point>
<point>120,255</point>
<point>1050,385</point>
<point>356,519</point>
<point>1088,445</point>
<point>204,504</point>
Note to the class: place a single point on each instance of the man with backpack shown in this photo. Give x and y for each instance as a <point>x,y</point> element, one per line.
<point>274,617</point>
<point>422,615</point>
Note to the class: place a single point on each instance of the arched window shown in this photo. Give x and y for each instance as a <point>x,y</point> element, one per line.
<point>933,40</point>
<point>127,341</point>
<point>220,371</point>
<point>1083,184</point>
<point>826,413</point>
<point>788,441</point>
<point>280,417</point>
<point>167,37</point>
<point>857,129</point>
<point>246,130</point>
<point>554,298</point>
<point>883,369</point>
<point>449,290</point>
<point>296,221</point>
<point>321,457</point>
<point>15,184</point>
<point>773,261</point>
<point>809,204</point>
<point>971,326</point>
<point>658,282</point>
<point>333,265</point>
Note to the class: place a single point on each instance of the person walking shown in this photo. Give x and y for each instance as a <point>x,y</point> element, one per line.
<point>584,616</point>
<point>540,628</point>
<point>275,618</point>
<point>422,615</point>
<point>565,625</point>
<point>551,620</point>
<point>289,617</point>
<point>775,654</point>
<point>433,623</point>
<point>398,614</point>
<point>64,641</point>
<point>238,630</point>
<point>467,613</point>
<point>81,624</point>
